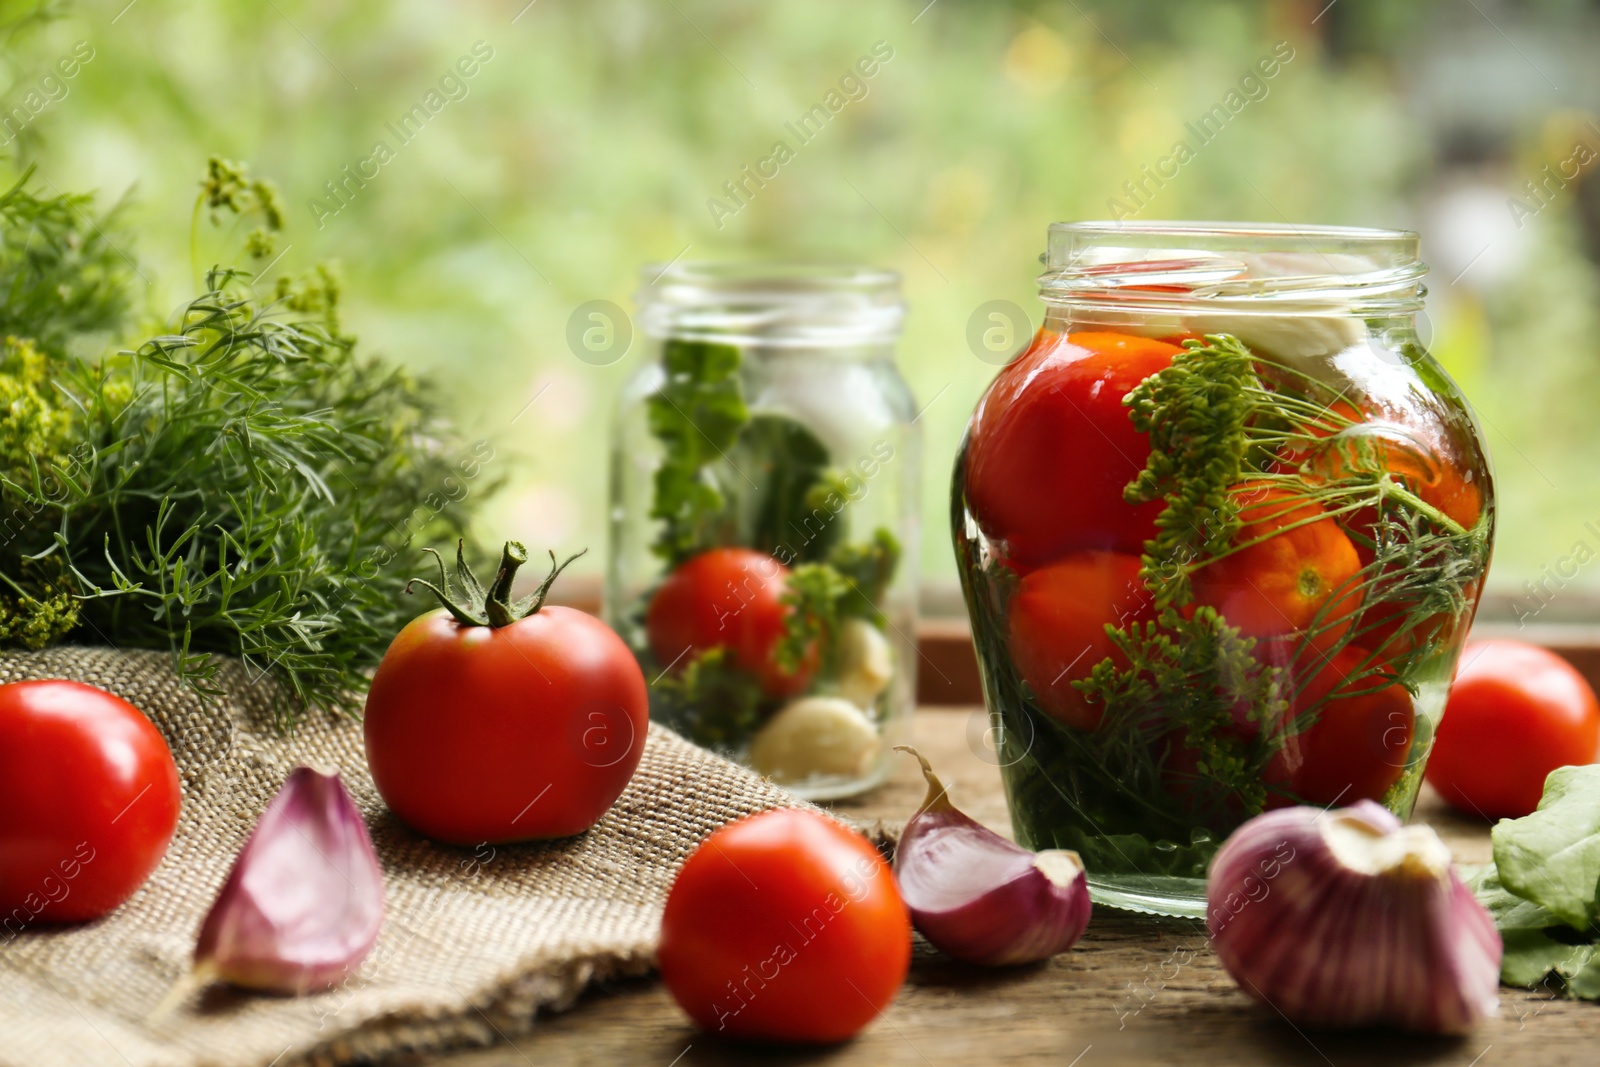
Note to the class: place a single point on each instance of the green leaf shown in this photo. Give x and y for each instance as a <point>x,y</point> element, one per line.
<point>696,414</point>
<point>1581,972</point>
<point>867,568</point>
<point>1552,857</point>
<point>1530,955</point>
<point>1509,911</point>
<point>786,462</point>
<point>821,595</point>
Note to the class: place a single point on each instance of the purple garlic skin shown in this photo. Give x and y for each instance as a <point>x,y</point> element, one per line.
<point>978,897</point>
<point>1348,918</point>
<point>303,904</point>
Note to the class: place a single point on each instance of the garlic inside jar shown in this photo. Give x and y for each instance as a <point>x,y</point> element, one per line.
<point>1221,529</point>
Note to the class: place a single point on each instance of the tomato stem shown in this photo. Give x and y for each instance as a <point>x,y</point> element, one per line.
<point>475,606</point>
<point>497,604</point>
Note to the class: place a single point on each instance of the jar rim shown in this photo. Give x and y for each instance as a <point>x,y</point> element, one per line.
<point>1166,264</point>
<point>780,303</point>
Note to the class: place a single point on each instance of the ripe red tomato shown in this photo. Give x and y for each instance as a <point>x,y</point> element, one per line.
<point>1057,627</point>
<point>726,598</point>
<point>1516,712</point>
<point>1051,447</point>
<point>1297,575</point>
<point>88,802</point>
<point>1358,745</point>
<point>523,731</point>
<point>785,926</point>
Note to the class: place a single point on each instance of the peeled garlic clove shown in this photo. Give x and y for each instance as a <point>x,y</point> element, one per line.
<point>866,664</point>
<point>978,897</point>
<point>815,736</point>
<point>1348,918</point>
<point>304,901</point>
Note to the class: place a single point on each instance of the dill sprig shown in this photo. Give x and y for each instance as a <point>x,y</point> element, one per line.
<point>63,274</point>
<point>1187,679</point>
<point>1197,413</point>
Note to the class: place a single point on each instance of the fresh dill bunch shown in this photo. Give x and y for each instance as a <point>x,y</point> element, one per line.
<point>64,274</point>
<point>244,484</point>
<point>1198,413</point>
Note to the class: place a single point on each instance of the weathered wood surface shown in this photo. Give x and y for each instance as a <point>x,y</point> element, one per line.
<point>1134,990</point>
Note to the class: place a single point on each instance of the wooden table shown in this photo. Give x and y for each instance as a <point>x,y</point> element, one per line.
<point>1134,990</point>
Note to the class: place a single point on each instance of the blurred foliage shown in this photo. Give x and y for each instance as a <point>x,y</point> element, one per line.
<point>589,137</point>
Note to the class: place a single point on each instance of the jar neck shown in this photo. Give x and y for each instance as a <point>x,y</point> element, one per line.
<point>840,310</point>
<point>1186,270</point>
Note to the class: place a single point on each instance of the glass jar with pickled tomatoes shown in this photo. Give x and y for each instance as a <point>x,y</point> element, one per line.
<point>1221,531</point>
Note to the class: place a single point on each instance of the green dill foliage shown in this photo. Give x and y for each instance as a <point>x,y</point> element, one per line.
<point>1196,412</point>
<point>1186,679</point>
<point>240,483</point>
<point>229,193</point>
<point>249,488</point>
<point>63,272</point>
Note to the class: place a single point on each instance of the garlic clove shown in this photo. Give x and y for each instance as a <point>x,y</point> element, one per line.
<point>814,737</point>
<point>866,663</point>
<point>978,897</point>
<point>303,904</point>
<point>1348,918</point>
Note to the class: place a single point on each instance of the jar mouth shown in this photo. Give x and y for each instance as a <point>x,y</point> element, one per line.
<point>1238,266</point>
<point>780,304</point>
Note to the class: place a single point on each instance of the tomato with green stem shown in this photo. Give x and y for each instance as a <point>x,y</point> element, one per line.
<point>785,926</point>
<point>1051,447</point>
<point>89,801</point>
<point>729,598</point>
<point>494,721</point>
<point>1516,712</point>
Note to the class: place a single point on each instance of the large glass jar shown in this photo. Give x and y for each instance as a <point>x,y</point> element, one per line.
<point>764,478</point>
<point>1221,530</point>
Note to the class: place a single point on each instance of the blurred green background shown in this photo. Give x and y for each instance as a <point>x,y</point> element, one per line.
<point>591,136</point>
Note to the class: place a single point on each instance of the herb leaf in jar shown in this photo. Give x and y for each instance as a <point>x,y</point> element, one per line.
<point>697,413</point>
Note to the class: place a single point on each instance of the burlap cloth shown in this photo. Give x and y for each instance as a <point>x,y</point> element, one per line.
<point>474,945</point>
